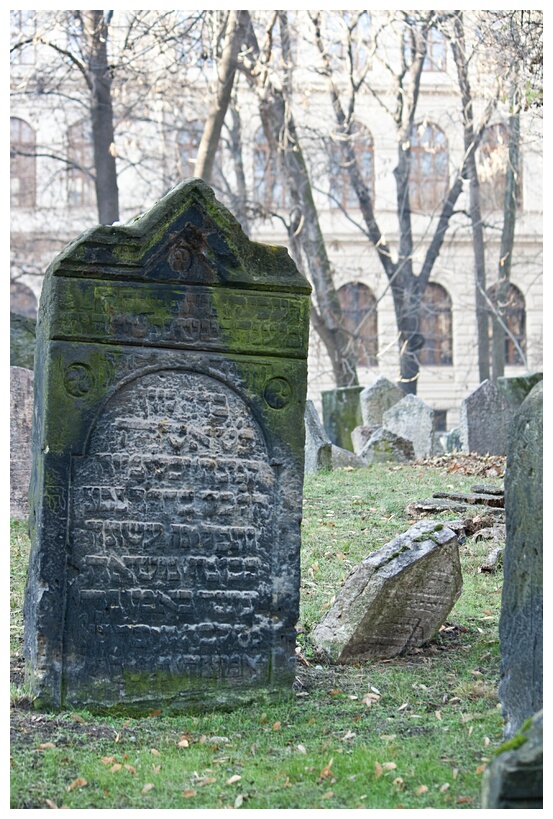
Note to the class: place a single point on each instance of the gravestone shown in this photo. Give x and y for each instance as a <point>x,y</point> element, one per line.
<point>521,619</point>
<point>360,435</point>
<point>318,449</point>
<point>385,446</point>
<point>396,598</point>
<point>168,465</point>
<point>377,398</point>
<point>514,779</point>
<point>411,418</point>
<point>341,414</point>
<point>22,341</point>
<point>345,458</point>
<point>484,420</point>
<point>21,421</point>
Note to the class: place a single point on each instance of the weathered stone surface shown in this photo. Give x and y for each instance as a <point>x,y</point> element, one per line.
<point>318,449</point>
<point>521,620</point>
<point>495,500</point>
<point>484,421</point>
<point>487,489</point>
<point>514,779</point>
<point>343,457</point>
<point>167,465</point>
<point>21,422</point>
<point>516,388</point>
<point>341,414</point>
<point>396,598</point>
<point>451,441</point>
<point>377,398</point>
<point>384,445</point>
<point>22,341</point>
<point>360,435</point>
<point>411,418</point>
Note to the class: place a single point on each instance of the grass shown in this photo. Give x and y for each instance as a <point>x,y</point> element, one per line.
<point>421,740</point>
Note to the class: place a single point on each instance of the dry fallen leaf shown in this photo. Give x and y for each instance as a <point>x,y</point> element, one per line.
<point>276,726</point>
<point>238,801</point>
<point>234,778</point>
<point>462,799</point>
<point>156,768</point>
<point>335,692</point>
<point>206,780</point>
<point>44,745</point>
<point>377,769</point>
<point>51,804</point>
<point>349,735</point>
<point>77,718</point>
<point>108,760</point>
<point>326,771</point>
<point>480,769</point>
<point>115,768</point>
<point>183,743</point>
<point>327,795</point>
<point>302,749</point>
<point>147,788</point>
<point>155,713</point>
<point>445,787</point>
<point>130,769</point>
<point>188,794</point>
<point>77,783</point>
<point>155,752</point>
<point>370,698</point>
<point>421,789</point>
<point>438,714</point>
<point>389,766</point>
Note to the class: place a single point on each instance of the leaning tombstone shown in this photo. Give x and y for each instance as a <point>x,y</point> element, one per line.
<point>396,598</point>
<point>377,398</point>
<point>318,449</point>
<point>385,446</point>
<point>21,422</point>
<point>411,418</point>
<point>167,465</point>
<point>361,435</point>
<point>341,414</point>
<point>484,420</point>
<point>521,619</point>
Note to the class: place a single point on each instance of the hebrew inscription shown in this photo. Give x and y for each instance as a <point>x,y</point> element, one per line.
<point>172,514</point>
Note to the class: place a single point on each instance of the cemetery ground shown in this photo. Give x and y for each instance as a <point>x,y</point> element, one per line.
<point>413,732</point>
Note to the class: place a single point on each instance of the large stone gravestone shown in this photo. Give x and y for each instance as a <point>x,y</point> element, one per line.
<point>521,620</point>
<point>377,398</point>
<point>411,418</point>
<point>168,465</point>
<point>341,414</point>
<point>484,420</point>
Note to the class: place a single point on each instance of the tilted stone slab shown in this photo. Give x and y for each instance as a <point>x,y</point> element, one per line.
<point>21,422</point>
<point>514,779</point>
<point>385,446</point>
<point>167,465</point>
<point>344,458</point>
<point>341,414</point>
<point>497,501</point>
<point>411,418</point>
<point>361,435</point>
<point>396,598</point>
<point>318,449</point>
<point>377,398</point>
<point>521,619</point>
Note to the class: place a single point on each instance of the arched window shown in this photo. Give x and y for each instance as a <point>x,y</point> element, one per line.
<point>341,189</point>
<point>514,316</point>
<point>493,161</point>
<point>436,327</point>
<point>429,172</point>
<point>81,190</point>
<point>360,319</point>
<point>268,185</point>
<point>22,164</point>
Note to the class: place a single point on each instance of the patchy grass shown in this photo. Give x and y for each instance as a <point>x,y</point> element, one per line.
<point>413,732</point>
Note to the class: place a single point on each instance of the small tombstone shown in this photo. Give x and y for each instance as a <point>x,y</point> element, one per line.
<point>411,418</point>
<point>344,458</point>
<point>384,446</point>
<point>377,398</point>
<point>168,465</point>
<point>360,435</point>
<point>318,449</point>
<point>484,420</point>
<point>341,414</point>
<point>396,598</point>
<point>22,341</point>
<point>521,619</point>
<point>451,441</point>
<point>21,422</point>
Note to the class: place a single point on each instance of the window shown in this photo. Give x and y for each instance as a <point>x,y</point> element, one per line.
<point>435,51</point>
<point>341,188</point>
<point>514,316</point>
<point>22,28</point>
<point>429,172</point>
<point>436,327</point>
<point>360,319</point>
<point>22,164</point>
<point>343,28</point>
<point>80,183</point>
<point>268,186</point>
<point>493,160</point>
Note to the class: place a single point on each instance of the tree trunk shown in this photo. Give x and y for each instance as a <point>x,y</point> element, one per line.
<point>96,29</point>
<point>507,239</point>
<point>226,70</point>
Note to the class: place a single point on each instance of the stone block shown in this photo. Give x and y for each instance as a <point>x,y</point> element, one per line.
<point>521,619</point>
<point>484,421</point>
<point>411,418</point>
<point>318,449</point>
<point>396,598</point>
<point>377,398</point>
<point>384,445</point>
<point>341,414</point>
<point>361,434</point>
<point>514,779</point>
<point>168,449</point>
